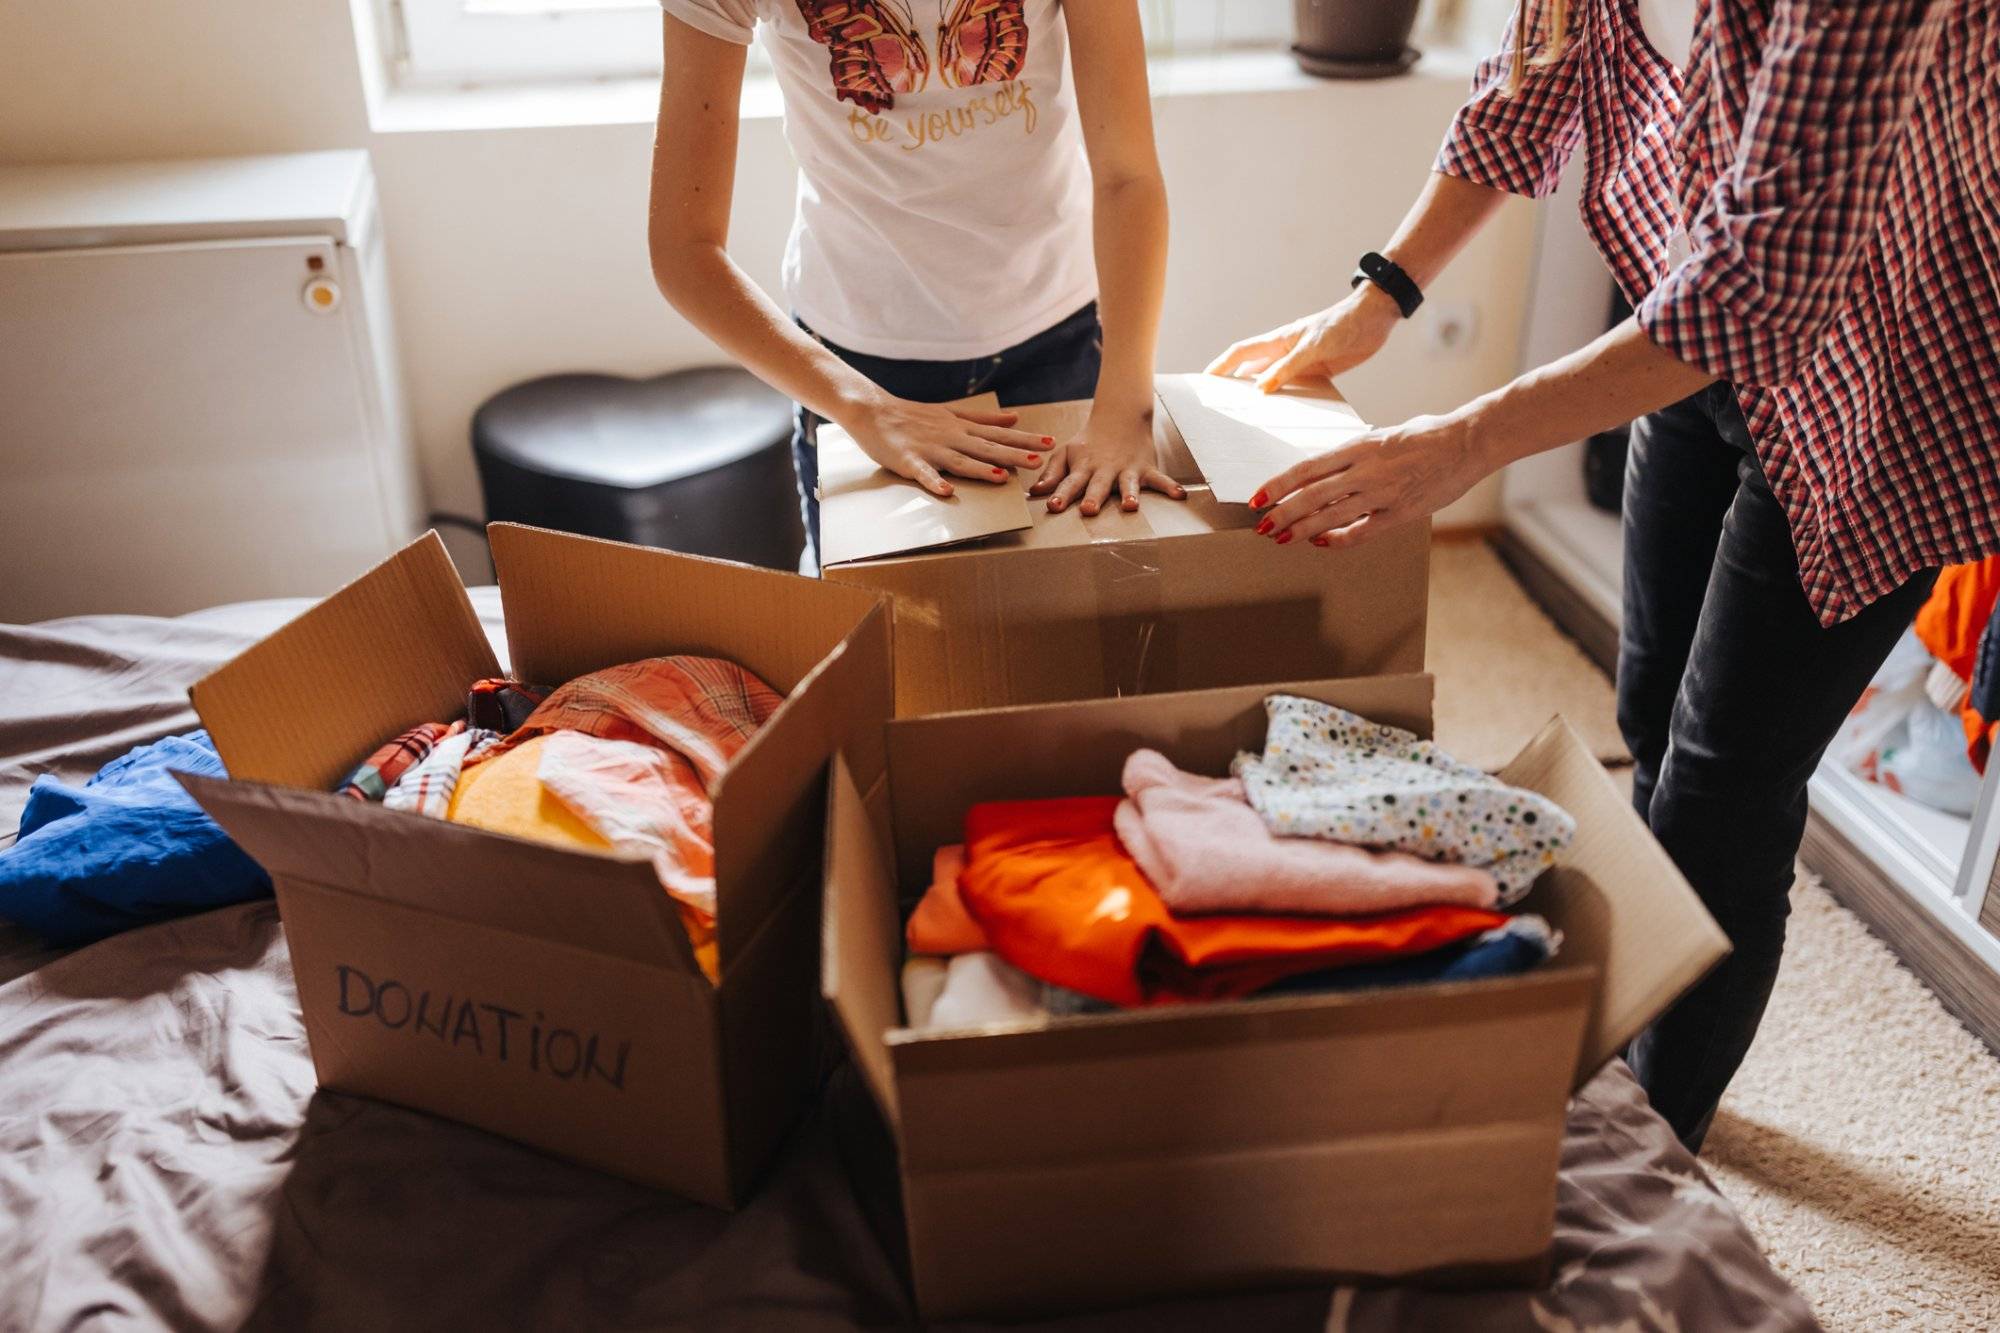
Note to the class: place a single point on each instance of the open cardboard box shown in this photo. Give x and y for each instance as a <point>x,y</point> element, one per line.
<point>1182,595</point>
<point>544,994</point>
<point>1112,1158</point>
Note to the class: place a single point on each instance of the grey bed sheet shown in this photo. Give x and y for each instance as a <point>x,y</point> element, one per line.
<point>167,1162</point>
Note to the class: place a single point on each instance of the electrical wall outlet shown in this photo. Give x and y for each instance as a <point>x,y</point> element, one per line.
<point>1451,327</point>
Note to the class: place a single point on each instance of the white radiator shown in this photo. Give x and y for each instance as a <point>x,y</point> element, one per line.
<point>198,391</point>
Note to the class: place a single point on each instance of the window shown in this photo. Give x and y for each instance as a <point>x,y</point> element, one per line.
<point>442,42</point>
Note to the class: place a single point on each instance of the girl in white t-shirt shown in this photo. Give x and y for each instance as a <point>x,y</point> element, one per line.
<point>980,209</point>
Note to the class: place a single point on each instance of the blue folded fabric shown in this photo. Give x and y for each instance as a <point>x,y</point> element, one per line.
<point>1521,944</point>
<point>1985,698</point>
<point>127,848</point>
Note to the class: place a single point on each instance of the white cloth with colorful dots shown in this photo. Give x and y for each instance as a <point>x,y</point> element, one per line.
<point>1327,773</point>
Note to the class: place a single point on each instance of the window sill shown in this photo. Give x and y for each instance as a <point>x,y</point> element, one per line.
<point>635,101</point>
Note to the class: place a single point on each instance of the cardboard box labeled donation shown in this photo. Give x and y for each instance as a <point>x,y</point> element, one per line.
<point>998,602</point>
<point>1111,1158</point>
<point>545,994</point>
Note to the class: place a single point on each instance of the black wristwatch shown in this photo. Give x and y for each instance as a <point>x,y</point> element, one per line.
<point>1389,276</point>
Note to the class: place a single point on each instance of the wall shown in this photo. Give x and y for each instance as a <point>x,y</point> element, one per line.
<point>520,251</point>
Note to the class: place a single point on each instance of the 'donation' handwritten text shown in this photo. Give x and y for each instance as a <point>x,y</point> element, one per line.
<point>483,1028</point>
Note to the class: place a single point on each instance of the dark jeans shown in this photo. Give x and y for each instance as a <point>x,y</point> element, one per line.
<point>1729,691</point>
<point>1057,365</point>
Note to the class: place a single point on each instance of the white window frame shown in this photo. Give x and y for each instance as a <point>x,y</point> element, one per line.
<point>441,43</point>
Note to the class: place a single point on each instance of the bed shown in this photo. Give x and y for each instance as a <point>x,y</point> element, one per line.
<point>166,1160</point>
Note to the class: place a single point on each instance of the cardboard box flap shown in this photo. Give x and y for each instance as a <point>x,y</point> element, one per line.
<point>579,604</point>
<point>1242,436</point>
<point>595,903</point>
<point>1658,939</point>
<point>1079,749</point>
<point>396,647</point>
<point>861,935</point>
<point>867,514</point>
<point>770,803</point>
<point>867,511</point>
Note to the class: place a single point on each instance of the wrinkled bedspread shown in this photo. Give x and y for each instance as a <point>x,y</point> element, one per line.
<point>166,1161</point>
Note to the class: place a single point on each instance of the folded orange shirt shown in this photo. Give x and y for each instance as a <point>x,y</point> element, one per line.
<point>941,925</point>
<point>1058,897</point>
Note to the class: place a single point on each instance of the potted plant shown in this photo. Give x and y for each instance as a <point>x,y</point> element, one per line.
<point>1354,39</point>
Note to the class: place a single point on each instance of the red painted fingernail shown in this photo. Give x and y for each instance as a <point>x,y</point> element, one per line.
<point>1259,500</point>
<point>1321,540</point>
<point>1055,506</point>
<point>1048,439</point>
<point>1284,536</point>
<point>1264,528</point>
<point>999,471</point>
<point>1034,458</point>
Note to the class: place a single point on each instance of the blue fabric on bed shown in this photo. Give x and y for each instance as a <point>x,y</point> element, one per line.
<point>127,848</point>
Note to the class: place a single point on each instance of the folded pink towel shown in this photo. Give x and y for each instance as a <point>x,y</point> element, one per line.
<point>1206,850</point>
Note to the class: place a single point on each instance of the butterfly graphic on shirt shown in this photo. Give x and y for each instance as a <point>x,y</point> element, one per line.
<point>876,52</point>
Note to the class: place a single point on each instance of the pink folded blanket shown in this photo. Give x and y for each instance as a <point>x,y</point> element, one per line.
<point>1206,850</point>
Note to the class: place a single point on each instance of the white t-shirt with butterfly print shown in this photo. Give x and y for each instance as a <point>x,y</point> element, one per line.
<point>944,200</point>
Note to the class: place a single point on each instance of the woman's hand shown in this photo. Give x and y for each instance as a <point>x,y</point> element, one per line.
<point>1375,481</point>
<point>1113,449</point>
<point>1329,343</point>
<point>925,442</point>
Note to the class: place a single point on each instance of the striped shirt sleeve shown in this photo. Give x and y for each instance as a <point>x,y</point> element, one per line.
<point>1773,246</point>
<point>1519,141</point>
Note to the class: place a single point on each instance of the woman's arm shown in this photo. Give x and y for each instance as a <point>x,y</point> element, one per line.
<point>1512,136</point>
<point>1389,476</point>
<point>694,172</point>
<point>1447,215</point>
<point>1108,60</point>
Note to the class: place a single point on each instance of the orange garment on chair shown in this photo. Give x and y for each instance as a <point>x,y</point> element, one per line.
<point>1950,624</point>
<point>941,925</point>
<point>1059,898</point>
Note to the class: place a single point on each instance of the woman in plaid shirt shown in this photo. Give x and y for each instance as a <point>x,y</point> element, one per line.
<point>1805,212</point>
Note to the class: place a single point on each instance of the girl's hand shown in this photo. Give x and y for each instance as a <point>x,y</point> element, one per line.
<point>1329,343</point>
<point>925,442</point>
<point>1113,449</point>
<point>1375,481</point>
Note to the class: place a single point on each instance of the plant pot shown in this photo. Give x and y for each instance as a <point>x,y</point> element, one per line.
<point>1354,39</point>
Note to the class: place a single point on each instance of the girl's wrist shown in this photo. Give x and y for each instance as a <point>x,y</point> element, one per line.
<point>856,397</point>
<point>1127,400</point>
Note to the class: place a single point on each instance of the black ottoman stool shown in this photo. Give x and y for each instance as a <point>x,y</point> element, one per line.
<point>695,460</point>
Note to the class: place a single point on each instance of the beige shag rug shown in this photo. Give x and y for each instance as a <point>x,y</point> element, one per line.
<point>1861,1141</point>
<point>1489,641</point>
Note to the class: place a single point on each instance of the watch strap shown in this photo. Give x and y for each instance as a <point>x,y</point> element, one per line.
<point>1387,274</point>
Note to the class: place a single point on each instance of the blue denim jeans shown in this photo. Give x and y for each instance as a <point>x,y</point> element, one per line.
<point>1729,691</point>
<point>1057,365</point>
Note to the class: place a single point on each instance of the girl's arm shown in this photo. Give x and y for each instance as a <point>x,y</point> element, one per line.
<point>694,172</point>
<point>1448,213</point>
<point>1108,59</point>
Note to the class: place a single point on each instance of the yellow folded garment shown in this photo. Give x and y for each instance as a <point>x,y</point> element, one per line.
<point>506,795</point>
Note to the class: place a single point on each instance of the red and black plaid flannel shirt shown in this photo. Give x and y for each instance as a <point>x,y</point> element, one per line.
<point>1836,164</point>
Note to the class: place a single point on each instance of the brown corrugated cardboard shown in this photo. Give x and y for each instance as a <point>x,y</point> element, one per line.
<point>1177,596</point>
<point>879,513</point>
<point>1109,1158</point>
<point>544,994</point>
